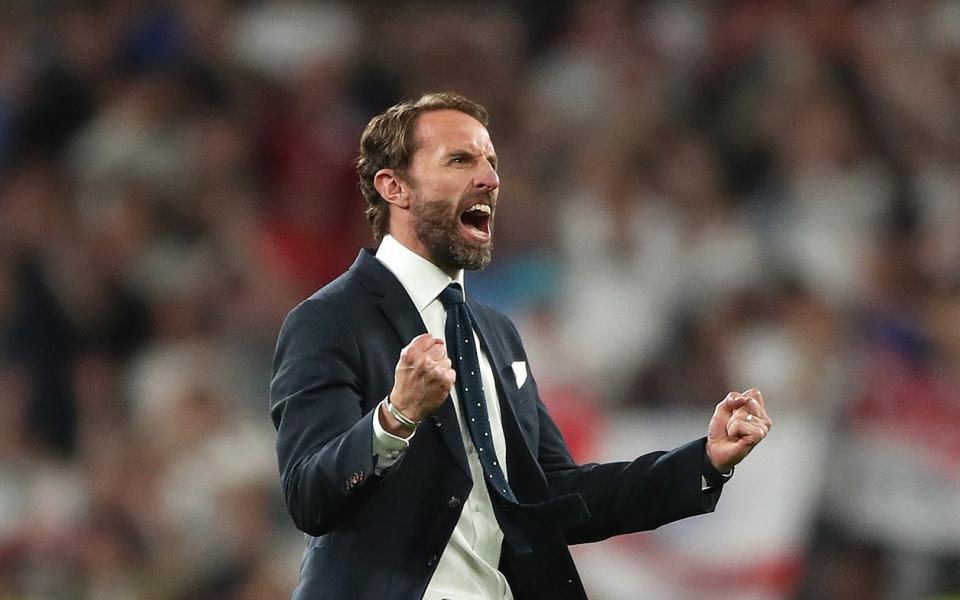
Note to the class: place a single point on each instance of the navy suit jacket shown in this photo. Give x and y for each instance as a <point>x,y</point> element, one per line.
<point>380,536</point>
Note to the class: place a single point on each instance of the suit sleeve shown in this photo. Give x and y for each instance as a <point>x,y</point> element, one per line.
<point>624,497</point>
<point>324,445</point>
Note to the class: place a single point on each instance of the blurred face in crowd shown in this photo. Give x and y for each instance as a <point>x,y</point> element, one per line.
<point>443,206</point>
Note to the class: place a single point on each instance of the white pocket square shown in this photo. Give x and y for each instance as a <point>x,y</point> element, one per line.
<point>519,372</point>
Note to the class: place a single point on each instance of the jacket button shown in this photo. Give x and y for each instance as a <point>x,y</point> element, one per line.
<point>432,560</point>
<point>453,502</point>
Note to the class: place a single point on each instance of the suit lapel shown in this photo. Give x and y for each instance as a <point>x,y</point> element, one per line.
<point>500,362</point>
<point>392,299</point>
<point>400,311</point>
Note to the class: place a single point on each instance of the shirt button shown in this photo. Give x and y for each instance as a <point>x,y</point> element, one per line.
<point>453,502</point>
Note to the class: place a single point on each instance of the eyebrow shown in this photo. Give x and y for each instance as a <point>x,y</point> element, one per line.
<point>463,152</point>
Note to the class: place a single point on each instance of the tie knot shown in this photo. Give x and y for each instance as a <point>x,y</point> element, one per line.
<point>452,294</point>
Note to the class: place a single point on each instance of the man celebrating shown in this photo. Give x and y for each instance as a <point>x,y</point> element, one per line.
<point>413,447</point>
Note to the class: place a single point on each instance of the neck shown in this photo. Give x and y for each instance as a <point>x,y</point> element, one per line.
<point>411,242</point>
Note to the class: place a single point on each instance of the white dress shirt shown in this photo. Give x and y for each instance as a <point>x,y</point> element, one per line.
<point>468,567</point>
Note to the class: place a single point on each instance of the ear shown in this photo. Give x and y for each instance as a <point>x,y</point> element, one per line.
<point>392,188</point>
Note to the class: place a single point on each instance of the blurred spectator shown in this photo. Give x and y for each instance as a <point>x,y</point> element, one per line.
<point>697,197</point>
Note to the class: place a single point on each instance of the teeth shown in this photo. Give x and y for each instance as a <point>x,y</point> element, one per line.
<point>484,208</point>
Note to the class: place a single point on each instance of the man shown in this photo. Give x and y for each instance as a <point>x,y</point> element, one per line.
<point>398,404</point>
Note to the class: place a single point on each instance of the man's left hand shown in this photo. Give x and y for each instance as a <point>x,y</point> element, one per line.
<point>739,423</point>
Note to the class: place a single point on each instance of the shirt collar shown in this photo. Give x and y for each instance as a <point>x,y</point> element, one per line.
<point>422,279</point>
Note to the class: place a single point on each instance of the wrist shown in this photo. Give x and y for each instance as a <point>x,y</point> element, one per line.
<point>711,463</point>
<point>394,421</point>
<point>716,472</point>
<point>724,470</point>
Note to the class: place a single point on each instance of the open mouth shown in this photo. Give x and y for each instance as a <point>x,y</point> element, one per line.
<point>477,219</point>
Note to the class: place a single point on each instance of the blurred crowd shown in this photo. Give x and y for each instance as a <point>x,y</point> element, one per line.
<point>697,197</point>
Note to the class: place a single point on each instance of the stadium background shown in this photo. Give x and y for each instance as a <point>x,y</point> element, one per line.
<point>697,196</point>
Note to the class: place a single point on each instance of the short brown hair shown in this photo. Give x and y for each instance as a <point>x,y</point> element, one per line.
<point>389,142</point>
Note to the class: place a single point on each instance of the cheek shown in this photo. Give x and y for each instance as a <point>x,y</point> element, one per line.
<point>436,212</point>
<point>446,192</point>
<point>448,185</point>
<point>440,200</point>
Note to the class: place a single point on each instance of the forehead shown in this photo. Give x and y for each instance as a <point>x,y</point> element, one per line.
<point>445,130</point>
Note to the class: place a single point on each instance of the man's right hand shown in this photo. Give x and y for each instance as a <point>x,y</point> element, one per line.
<point>423,379</point>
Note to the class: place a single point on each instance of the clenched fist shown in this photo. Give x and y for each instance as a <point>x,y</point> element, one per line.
<point>739,423</point>
<point>423,379</point>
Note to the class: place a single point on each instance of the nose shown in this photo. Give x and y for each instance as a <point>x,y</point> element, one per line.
<point>487,177</point>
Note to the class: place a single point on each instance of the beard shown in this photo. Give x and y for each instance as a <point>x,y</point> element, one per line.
<point>438,227</point>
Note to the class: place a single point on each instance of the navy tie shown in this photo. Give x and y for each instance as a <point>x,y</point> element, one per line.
<point>569,509</point>
<point>462,350</point>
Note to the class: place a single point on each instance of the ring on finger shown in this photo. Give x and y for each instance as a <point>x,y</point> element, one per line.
<point>749,418</point>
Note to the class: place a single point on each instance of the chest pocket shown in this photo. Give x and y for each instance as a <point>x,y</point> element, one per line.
<point>521,401</point>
